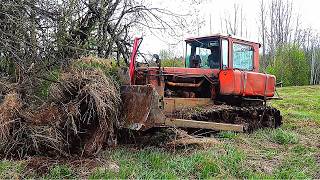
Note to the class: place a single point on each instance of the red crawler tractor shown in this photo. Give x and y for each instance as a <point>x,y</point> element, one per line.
<point>221,75</point>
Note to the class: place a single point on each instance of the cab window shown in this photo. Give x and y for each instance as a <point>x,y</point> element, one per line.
<point>203,54</point>
<point>242,56</point>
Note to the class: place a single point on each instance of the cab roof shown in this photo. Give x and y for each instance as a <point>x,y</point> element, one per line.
<point>188,40</point>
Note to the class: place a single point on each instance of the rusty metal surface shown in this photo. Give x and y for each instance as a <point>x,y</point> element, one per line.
<point>140,106</point>
<point>174,104</point>
<point>186,84</point>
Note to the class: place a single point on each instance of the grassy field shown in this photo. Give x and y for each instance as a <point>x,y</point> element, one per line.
<point>292,151</point>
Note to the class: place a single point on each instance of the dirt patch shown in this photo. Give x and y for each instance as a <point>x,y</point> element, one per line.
<point>40,166</point>
<point>262,155</point>
<point>182,138</point>
<point>168,138</point>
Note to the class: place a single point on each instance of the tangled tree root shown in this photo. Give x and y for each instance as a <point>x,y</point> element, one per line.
<point>92,103</point>
<point>79,118</point>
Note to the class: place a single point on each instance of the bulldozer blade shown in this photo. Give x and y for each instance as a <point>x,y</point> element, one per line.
<point>141,107</point>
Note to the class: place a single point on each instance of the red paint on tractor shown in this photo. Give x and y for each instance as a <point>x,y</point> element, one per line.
<point>246,83</point>
<point>191,71</point>
<point>133,59</point>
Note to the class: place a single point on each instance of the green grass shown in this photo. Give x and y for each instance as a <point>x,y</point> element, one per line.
<point>225,161</point>
<point>59,172</point>
<point>10,170</point>
<point>284,137</point>
<point>227,135</point>
<point>289,152</point>
<point>300,103</point>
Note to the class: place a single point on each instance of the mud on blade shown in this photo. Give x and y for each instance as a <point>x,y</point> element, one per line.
<point>141,107</point>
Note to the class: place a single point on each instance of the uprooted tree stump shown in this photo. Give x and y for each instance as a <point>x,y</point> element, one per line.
<point>80,117</point>
<point>91,102</point>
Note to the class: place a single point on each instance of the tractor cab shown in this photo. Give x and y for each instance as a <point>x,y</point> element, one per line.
<point>222,52</point>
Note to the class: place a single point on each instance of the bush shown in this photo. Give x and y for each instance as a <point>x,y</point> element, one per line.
<point>51,76</point>
<point>172,63</point>
<point>290,66</point>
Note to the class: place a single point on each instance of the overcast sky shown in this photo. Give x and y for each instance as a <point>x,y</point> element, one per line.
<point>309,11</point>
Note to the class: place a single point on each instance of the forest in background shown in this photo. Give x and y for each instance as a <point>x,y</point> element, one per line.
<point>289,50</point>
<point>40,37</point>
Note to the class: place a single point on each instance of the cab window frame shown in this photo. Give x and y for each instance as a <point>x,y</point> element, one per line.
<point>244,44</point>
<point>198,50</point>
<point>223,60</point>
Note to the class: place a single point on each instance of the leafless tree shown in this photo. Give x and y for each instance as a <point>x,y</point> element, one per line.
<point>234,23</point>
<point>38,35</point>
<point>262,30</point>
<point>279,30</point>
<point>312,48</point>
<point>275,26</point>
